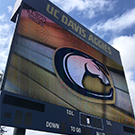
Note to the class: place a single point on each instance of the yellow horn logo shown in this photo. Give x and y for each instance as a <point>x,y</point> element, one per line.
<point>84,75</point>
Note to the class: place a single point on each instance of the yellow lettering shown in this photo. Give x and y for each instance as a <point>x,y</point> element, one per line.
<point>102,45</point>
<point>106,48</point>
<point>76,27</point>
<point>64,19</point>
<point>99,44</point>
<point>55,14</point>
<point>71,24</point>
<point>95,41</point>
<point>50,10</point>
<point>90,38</point>
<point>83,33</point>
<point>109,49</point>
<point>80,31</point>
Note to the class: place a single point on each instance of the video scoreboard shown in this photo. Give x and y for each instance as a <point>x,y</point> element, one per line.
<point>62,78</point>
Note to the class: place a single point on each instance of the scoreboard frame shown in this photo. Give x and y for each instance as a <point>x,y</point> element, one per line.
<point>70,106</point>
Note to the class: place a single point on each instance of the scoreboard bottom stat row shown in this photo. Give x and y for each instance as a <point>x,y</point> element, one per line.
<point>22,112</point>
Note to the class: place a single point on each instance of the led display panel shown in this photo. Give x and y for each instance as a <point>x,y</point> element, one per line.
<point>52,64</point>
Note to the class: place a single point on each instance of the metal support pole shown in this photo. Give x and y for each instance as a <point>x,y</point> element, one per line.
<point>19,131</point>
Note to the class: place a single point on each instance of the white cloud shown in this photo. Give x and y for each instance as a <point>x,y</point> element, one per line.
<point>9,9</point>
<point>2,17</point>
<point>117,23</point>
<point>4,28</point>
<point>9,130</point>
<point>126,46</point>
<point>131,86</point>
<point>5,36</point>
<point>89,7</point>
<point>3,59</point>
<point>33,132</point>
<point>5,41</point>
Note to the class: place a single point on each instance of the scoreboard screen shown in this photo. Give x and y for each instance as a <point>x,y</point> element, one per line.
<point>56,60</point>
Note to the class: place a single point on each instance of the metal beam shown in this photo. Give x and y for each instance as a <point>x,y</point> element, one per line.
<point>19,131</point>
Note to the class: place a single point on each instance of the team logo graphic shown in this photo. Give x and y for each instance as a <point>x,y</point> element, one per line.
<point>84,76</point>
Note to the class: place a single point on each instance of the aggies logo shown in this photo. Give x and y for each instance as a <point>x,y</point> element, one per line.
<point>84,75</point>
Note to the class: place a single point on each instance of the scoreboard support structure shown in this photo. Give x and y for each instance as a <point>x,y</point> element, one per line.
<point>19,131</point>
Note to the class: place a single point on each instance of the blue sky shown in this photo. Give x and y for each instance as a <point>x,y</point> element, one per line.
<point>111,20</point>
